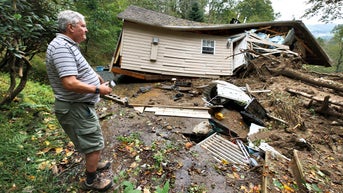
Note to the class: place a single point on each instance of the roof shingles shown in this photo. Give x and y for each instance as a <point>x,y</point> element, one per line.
<point>149,17</point>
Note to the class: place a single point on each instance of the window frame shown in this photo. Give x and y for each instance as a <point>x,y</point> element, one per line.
<point>208,48</point>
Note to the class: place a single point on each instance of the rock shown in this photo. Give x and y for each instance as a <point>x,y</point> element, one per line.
<point>202,128</point>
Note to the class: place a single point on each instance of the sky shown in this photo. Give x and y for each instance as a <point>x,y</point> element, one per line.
<point>294,9</point>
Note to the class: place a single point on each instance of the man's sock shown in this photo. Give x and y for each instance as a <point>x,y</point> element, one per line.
<point>90,177</point>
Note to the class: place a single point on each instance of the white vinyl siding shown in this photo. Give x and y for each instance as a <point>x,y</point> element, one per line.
<point>178,52</point>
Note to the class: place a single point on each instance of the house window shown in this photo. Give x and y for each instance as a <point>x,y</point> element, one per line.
<point>207,47</point>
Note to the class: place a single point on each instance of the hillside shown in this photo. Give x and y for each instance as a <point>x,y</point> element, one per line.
<point>159,148</point>
<point>321,30</point>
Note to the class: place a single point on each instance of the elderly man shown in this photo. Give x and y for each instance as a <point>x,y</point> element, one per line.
<point>77,88</point>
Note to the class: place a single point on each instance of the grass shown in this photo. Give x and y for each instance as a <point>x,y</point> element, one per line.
<point>35,155</point>
<point>31,141</point>
<point>149,166</point>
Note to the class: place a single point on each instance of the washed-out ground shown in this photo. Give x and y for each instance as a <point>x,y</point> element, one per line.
<point>148,150</point>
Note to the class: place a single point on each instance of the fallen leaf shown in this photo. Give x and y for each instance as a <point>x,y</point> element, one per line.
<point>64,161</point>
<point>58,150</point>
<point>288,188</point>
<point>69,152</point>
<point>133,165</point>
<point>188,145</point>
<point>52,126</point>
<point>54,169</point>
<point>230,176</point>
<point>225,162</point>
<point>236,175</point>
<point>43,151</point>
<point>70,144</point>
<point>146,148</point>
<point>147,172</point>
<point>244,188</point>
<point>44,165</point>
<point>128,148</point>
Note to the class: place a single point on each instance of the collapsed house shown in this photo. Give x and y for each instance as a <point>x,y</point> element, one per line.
<point>157,46</point>
<point>153,45</point>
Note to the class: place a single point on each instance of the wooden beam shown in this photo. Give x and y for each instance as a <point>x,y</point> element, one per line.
<point>179,112</point>
<point>139,75</point>
<point>171,106</point>
<point>338,103</point>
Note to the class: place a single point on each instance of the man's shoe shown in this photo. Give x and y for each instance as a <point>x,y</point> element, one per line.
<point>98,185</point>
<point>103,165</point>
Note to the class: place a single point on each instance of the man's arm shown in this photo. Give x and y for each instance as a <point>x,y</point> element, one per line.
<point>72,84</point>
<point>101,79</point>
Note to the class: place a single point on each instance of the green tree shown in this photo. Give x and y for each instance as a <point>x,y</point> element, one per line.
<point>156,5</point>
<point>256,10</point>
<point>327,10</point>
<point>338,37</point>
<point>184,7</point>
<point>25,29</point>
<point>103,29</point>
<point>221,11</point>
<point>195,13</point>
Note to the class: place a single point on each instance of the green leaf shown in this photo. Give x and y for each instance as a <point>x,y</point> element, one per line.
<point>277,183</point>
<point>18,55</point>
<point>320,173</point>
<point>17,16</point>
<point>165,188</point>
<point>316,188</point>
<point>308,186</point>
<point>129,188</point>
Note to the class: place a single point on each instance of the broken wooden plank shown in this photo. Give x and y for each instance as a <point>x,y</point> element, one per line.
<point>179,112</point>
<point>249,91</point>
<point>313,97</point>
<point>298,171</point>
<point>139,109</point>
<point>253,38</point>
<point>171,106</point>
<point>140,75</point>
<point>274,51</point>
<point>232,123</point>
<point>265,173</point>
<point>277,175</point>
<point>116,98</point>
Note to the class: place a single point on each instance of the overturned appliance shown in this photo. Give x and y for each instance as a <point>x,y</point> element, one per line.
<point>224,93</point>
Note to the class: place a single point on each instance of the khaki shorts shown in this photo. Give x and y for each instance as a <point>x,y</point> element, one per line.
<point>80,122</point>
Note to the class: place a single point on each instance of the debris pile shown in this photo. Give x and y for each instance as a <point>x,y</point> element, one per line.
<point>233,127</point>
<point>259,123</point>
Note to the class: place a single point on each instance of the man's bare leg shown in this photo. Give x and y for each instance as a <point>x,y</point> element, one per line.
<point>92,160</point>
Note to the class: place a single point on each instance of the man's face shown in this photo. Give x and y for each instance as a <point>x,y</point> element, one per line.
<point>79,31</point>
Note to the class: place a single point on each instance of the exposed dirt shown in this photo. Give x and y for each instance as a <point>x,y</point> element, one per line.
<point>190,168</point>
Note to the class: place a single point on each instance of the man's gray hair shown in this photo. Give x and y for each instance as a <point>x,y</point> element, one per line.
<point>68,17</point>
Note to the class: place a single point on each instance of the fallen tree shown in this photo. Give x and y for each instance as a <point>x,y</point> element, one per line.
<point>289,66</point>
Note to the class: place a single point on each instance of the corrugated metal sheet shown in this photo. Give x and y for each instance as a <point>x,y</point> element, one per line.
<point>223,149</point>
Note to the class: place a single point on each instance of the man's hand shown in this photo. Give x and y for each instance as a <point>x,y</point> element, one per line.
<point>105,89</point>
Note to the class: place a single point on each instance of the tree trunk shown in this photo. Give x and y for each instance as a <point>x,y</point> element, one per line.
<point>308,79</point>
<point>14,90</point>
<point>338,103</point>
<point>339,61</point>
